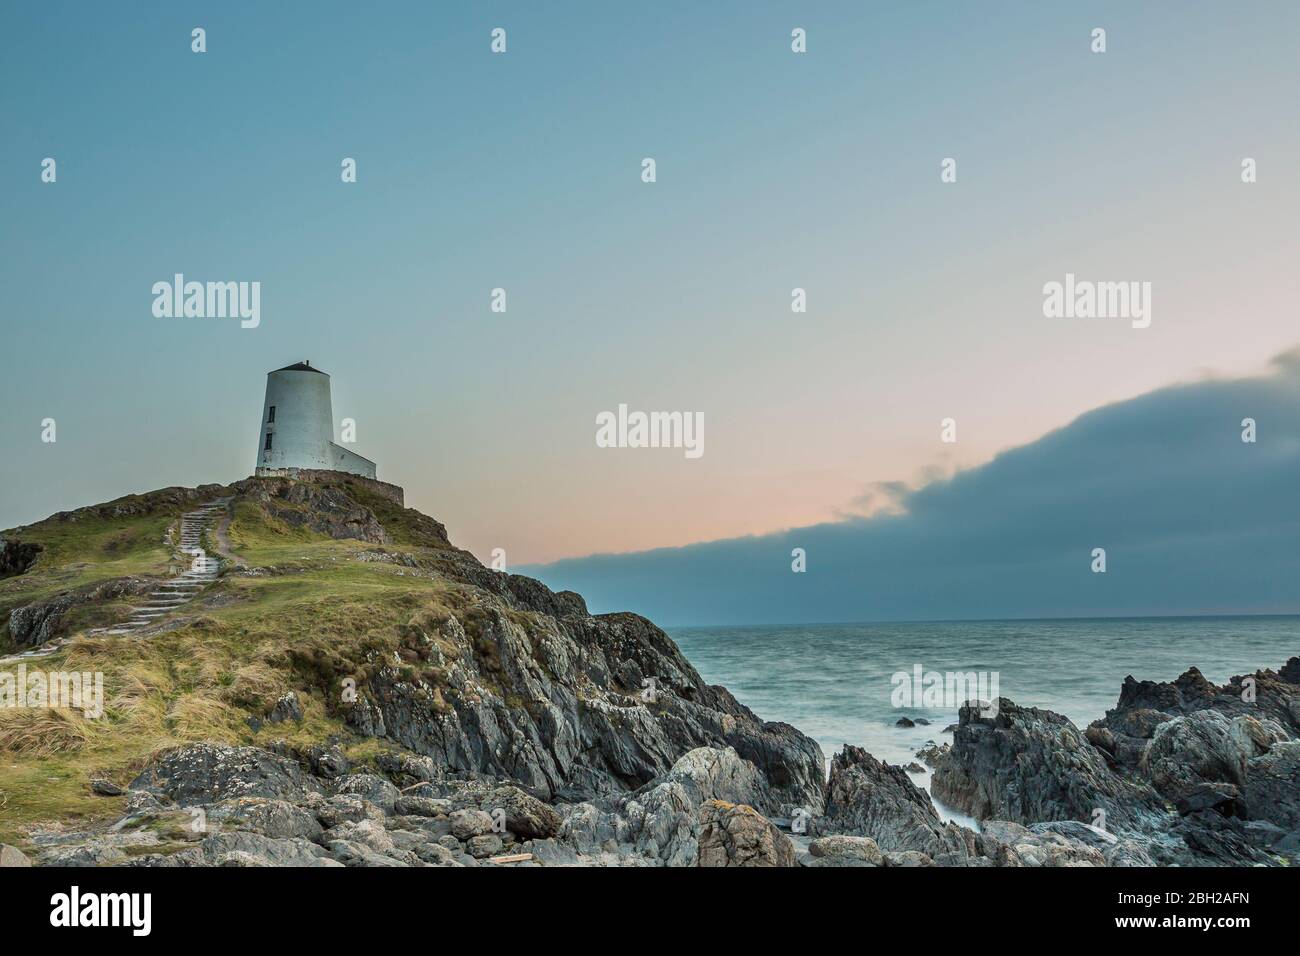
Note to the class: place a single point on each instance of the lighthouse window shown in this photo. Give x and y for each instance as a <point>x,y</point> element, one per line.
<point>268,441</point>
<point>271,417</point>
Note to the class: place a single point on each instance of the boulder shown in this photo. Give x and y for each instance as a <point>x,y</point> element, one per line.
<point>11,856</point>
<point>737,835</point>
<point>848,850</point>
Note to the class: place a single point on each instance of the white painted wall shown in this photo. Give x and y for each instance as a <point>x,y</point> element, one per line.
<point>302,435</point>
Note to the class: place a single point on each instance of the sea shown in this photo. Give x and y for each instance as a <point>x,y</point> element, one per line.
<point>839,683</point>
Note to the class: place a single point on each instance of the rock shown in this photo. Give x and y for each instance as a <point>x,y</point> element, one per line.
<point>106,788</point>
<point>286,708</point>
<point>327,762</point>
<point>1272,788</point>
<point>732,835</point>
<point>545,700</point>
<point>867,797</point>
<point>347,808</point>
<point>368,833</point>
<point>1224,798</point>
<point>862,850</point>
<point>242,858</point>
<point>278,819</point>
<point>932,754</point>
<point>33,625</point>
<point>907,858</point>
<point>1027,765</point>
<point>205,773</point>
<point>489,844</point>
<point>87,854</point>
<point>1145,705</point>
<point>370,787</point>
<point>11,856</point>
<point>470,823</point>
<point>551,853</point>
<point>407,768</point>
<point>904,722</point>
<point>914,767</point>
<point>1198,748</point>
<point>424,807</point>
<point>1046,848</point>
<point>921,721</point>
<point>290,852</point>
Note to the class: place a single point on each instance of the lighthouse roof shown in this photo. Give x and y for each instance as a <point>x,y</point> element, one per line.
<point>303,366</point>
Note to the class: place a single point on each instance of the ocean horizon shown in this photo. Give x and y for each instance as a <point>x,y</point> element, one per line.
<point>835,682</point>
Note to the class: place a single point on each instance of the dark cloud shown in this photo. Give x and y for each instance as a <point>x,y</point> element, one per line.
<point>1193,521</point>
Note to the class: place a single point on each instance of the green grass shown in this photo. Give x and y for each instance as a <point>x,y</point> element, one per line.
<point>315,615</point>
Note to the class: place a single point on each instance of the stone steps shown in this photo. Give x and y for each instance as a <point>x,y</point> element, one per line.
<point>180,590</point>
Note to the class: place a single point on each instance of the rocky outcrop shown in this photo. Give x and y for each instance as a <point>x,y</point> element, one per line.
<point>17,556</point>
<point>1272,699</point>
<point>1028,766</point>
<point>572,706</point>
<point>870,798</point>
<point>312,506</point>
<point>732,835</point>
<point>42,621</point>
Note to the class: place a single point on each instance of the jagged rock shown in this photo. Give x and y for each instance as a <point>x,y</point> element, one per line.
<point>732,835</point>
<point>286,708</point>
<point>1272,788</point>
<point>933,755</point>
<point>1027,765</point>
<point>1145,705</point>
<point>1041,848</point>
<point>17,556</point>
<point>660,821</point>
<point>1200,747</point>
<point>867,797</point>
<point>545,700</point>
<point>326,762</point>
<point>11,856</point>
<point>1224,798</point>
<point>524,815</point>
<point>848,850</point>
<point>370,787</point>
<point>42,621</point>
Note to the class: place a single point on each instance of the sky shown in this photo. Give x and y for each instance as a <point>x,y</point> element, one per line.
<point>522,171</point>
<point>1152,506</point>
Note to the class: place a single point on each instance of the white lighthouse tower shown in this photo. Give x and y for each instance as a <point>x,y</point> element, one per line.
<point>297,429</point>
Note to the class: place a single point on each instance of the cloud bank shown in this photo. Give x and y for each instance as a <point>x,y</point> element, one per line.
<point>1193,520</point>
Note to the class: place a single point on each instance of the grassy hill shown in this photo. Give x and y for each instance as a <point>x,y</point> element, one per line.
<point>305,608</point>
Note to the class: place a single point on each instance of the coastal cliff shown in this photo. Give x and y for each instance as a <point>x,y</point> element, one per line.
<point>351,689</point>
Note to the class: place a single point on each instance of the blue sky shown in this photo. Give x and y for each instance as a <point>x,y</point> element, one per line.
<point>521,171</point>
